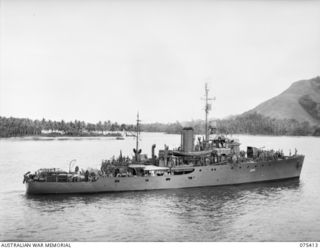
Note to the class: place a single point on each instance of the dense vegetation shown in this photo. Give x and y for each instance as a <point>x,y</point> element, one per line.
<point>172,128</point>
<point>257,124</point>
<point>10,127</point>
<point>310,106</point>
<point>253,123</point>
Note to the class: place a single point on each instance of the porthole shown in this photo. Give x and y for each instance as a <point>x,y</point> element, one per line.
<point>240,167</point>
<point>211,169</point>
<point>147,180</point>
<point>117,181</point>
<point>215,169</point>
<point>190,177</point>
<point>231,167</point>
<point>200,170</point>
<point>167,179</point>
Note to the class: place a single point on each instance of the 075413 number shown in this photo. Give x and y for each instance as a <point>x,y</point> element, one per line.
<point>309,244</point>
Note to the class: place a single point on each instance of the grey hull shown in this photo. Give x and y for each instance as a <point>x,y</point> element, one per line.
<point>211,175</point>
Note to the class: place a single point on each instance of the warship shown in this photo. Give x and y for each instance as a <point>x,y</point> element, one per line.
<point>213,160</point>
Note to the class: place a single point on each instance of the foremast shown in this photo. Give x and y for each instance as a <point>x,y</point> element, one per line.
<point>207,108</point>
<point>136,150</point>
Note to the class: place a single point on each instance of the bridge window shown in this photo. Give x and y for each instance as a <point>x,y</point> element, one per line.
<point>190,177</point>
<point>167,179</point>
<point>117,181</point>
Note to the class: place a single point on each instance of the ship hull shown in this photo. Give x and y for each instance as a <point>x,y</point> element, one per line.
<point>211,175</point>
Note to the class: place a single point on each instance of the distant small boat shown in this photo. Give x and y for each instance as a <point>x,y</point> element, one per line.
<point>121,136</point>
<point>130,134</point>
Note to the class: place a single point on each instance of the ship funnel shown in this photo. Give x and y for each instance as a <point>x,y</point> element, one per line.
<point>152,151</point>
<point>187,139</point>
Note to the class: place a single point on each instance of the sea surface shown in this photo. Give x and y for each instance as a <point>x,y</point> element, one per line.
<point>274,211</point>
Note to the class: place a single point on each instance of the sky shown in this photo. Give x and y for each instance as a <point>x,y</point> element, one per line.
<point>107,60</point>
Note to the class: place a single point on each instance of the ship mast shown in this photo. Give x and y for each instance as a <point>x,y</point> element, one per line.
<point>207,108</point>
<point>137,137</point>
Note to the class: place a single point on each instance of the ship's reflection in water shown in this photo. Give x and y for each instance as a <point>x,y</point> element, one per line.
<point>225,213</point>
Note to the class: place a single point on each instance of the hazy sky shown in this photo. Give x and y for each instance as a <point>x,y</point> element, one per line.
<point>104,60</point>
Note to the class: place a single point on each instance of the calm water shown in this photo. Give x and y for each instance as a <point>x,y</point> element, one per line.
<point>277,211</point>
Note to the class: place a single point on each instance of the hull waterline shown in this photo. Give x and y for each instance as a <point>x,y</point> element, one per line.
<point>211,175</point>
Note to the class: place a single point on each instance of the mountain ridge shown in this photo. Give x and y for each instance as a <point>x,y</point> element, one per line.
<point>301,101</point>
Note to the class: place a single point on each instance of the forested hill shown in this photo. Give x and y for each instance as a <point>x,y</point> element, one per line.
<point>301,101</point>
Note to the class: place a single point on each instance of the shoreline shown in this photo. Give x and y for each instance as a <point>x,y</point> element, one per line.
<point>69,137</point>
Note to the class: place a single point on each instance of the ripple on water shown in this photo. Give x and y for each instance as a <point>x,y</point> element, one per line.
<point>274,211</point>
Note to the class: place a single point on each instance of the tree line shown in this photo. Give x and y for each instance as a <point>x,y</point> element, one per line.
<point>257,124</point>
<point>253,123</point>
<point>11,127</point>
<point>249,123</point>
